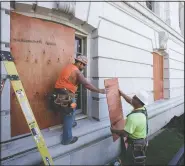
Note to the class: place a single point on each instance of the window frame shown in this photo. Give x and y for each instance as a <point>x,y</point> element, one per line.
<point>150,4</point>
<point>157,97</point>
<point>83,91</point>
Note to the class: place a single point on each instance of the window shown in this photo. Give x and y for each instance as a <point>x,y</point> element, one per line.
<point>158,76</point>
<point>150,5</point>
<point>81,92</point>
<point>161,9</point>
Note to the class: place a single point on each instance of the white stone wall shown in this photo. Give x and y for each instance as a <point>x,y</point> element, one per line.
<point>124,42</point>
<point>174,14</point>
<point>174,70</point>
<point>121,53</point>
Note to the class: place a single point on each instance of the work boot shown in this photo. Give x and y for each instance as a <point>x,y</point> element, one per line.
<point>74,139</point>
<point>75,124</point>
<point>117,162</point>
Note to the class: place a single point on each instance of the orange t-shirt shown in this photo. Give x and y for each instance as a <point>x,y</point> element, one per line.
<point>63,80</point>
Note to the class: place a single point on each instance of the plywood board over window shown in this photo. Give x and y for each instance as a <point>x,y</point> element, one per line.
<point>114,105</point>
<point>41,49</point>
<point>158,76</point>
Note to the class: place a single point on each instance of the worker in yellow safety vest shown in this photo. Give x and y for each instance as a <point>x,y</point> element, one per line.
<point>135,129</point>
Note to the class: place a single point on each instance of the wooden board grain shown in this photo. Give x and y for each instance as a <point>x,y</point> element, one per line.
<point>158,76</point>
<point>40,49</point>
<point>114,105</point>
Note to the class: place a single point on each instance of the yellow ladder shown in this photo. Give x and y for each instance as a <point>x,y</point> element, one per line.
<point>13,75</point>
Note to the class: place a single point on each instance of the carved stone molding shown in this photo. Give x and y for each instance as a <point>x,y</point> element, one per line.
<point>163,38</point>
<point>67,7</point>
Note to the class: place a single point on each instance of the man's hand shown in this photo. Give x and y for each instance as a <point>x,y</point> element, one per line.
<point>112,130</point>
<point>118,132</point>
<point>102,91</point>
<point>121,92</point>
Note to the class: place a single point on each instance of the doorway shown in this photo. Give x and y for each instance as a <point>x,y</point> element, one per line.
<point>80,49</point>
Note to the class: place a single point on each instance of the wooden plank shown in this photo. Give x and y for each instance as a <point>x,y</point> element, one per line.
<point>114,105</point>
<point>158,76</point>
<point>40,49</point>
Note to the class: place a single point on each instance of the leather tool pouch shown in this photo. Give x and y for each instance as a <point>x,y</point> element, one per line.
<point>61,100</point>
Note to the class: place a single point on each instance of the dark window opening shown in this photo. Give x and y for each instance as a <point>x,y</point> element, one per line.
<point>81,92</point>
<point>180,15</point>
<point>149,5</point>
<point>78,46</point>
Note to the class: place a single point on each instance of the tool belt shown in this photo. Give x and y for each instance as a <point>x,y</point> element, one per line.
<point>61,100</point>
<point>64,97</point>
<point>138,148</point>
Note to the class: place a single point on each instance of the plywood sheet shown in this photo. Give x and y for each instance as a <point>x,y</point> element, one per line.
<point>158,76</point>
<point>114,105</point>
<point>40,49</point>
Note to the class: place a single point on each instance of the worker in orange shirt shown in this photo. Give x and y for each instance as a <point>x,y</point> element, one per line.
<point>65,89</point>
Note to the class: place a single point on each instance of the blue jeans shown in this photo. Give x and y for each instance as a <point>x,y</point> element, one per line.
<point>67,126</point>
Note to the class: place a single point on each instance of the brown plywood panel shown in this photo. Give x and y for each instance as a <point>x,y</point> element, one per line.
<point>114,105</point>
<point>158,76</point>
<point>41,49</point>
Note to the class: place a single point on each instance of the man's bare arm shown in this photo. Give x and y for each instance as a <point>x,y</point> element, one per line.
<point>127,98</point>
<point>81,79</point>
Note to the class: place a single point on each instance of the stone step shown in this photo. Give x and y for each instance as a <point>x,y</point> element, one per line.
<point>52,137</point>
<point>86,128</point>
<point>59,152</point>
